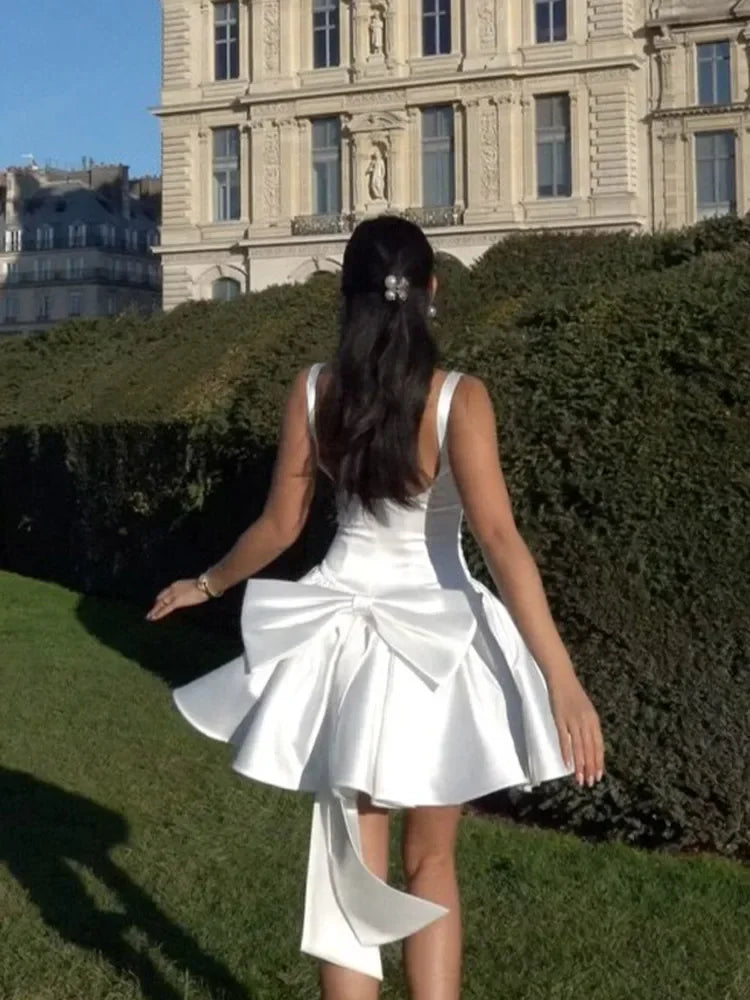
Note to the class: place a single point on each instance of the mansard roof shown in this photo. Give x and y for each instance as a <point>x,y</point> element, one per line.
<point>63,204</point>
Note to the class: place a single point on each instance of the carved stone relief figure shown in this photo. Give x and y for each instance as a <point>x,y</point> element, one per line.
<point>665,58</point>
<point>486,20</point>
<point>271,46</point>
<point>271,172</point>
<point>490,155</point>
<point>376,174</point>
<point>377,33</point>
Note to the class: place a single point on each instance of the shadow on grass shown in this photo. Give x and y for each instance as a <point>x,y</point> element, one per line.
<point>177,649</point>
<point>43,830</point>
<point>195,640</point>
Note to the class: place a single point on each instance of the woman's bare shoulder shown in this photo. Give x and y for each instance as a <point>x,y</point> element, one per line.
<point>471,390</point>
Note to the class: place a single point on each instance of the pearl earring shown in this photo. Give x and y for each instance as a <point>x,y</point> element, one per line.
<point>432,310</point>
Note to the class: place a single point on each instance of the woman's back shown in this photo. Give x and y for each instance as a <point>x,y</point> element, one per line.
<point>428,448</point>
<point>407,546</point>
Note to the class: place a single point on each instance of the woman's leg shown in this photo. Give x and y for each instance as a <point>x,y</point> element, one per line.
<point>432,957</point>
<point>337,982</point>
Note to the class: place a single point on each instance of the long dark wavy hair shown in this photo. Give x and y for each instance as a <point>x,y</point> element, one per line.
<point>369,416</point>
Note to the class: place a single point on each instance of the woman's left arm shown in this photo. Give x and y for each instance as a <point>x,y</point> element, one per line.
<point>278,527</point>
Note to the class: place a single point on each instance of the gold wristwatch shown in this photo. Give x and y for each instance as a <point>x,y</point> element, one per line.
<point>202,584</point>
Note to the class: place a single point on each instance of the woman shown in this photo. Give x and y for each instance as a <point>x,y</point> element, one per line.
<point>387,677</point>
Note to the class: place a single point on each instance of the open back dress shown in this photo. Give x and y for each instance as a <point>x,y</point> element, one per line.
<point>386,669</point>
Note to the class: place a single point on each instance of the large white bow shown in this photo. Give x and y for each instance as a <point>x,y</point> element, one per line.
<point>349,912</point>
<point>429,629</point>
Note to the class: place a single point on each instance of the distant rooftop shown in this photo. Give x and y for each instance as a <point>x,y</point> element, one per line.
<point>98,193</point>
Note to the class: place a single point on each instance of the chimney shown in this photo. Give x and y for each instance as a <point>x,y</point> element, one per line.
<point>125,188</point>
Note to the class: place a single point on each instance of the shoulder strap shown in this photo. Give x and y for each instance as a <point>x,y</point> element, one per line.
<point>312,381</point>
<point>444,405</point>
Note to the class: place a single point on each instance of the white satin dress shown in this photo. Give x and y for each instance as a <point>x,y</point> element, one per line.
<point>388,669</point>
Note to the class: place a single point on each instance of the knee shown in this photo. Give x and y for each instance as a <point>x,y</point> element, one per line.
<point>419,861</point>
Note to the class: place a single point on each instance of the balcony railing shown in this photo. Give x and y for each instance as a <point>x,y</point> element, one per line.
<point>30,244</point>
<point>321,225</point>
<point>88,275</point>
<point>432,217</point>
<point>436,215</point>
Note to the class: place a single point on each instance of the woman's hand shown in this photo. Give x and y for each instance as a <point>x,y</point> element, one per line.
<point>181,594</point>
<point>578,726</point>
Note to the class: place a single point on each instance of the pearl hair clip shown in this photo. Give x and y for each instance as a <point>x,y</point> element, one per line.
<point>396,288</point>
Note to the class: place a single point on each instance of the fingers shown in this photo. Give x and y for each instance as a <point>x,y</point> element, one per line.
<point>159,610</point>
<point>585,738</point>
<point>164,604</point>
<point>180,594</point>
<point>576,736</point>
<point>589,761</point>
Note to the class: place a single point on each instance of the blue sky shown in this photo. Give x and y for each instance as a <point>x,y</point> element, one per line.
<point>78,80</point>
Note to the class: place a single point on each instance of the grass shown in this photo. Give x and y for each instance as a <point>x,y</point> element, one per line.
<point>136,865</point>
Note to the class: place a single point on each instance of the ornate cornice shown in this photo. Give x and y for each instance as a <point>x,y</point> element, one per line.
<point>700,111</point>
<point>392,92</point>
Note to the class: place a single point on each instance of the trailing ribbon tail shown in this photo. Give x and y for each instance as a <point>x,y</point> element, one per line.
<point>349,911</point>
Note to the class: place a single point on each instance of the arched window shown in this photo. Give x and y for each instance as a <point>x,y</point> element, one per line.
<point>225,289</point>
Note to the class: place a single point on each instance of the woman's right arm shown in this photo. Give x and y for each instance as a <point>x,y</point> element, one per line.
<point>475,462</point>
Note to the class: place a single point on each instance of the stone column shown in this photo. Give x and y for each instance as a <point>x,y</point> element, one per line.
<point>414,193</point>
<point>397,167</point>
<point>528,145</point>
<point>269,34</point>
<point>486,185</point>
<point>687,180</point>
<point>356,17</point>
<point>289,157</point>
<point>205,177</point>
<point>670,175</point>
<point>391,53</point>
<point>288,38</point>
<point>666,51</point>
<point>304,168</point>
<point>507,130</point>
<point>246,171</point>
<point>459,143</point>
<point>246,41</point>
<point>743,180</point>
<point>347,179</point>
<point>744,76</point>
<point>270,173</point>
<point>255,177</point>
<point>580,147</point>
<point>489,145</point>
<point>356,168</point>
<point>482,32</point>
<point>473,143</point>
<point>207,39</point>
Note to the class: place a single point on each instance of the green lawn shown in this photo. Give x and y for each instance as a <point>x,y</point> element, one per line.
<point>137,865</point>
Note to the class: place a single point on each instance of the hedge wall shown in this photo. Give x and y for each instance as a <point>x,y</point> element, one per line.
<point>133,451</point>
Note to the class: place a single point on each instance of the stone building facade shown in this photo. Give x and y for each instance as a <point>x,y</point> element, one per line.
<point>699,113</point>
<point>76,243</point>
<point>286,121</point>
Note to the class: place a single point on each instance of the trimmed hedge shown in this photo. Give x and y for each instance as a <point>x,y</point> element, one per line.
<point>132,451</point>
